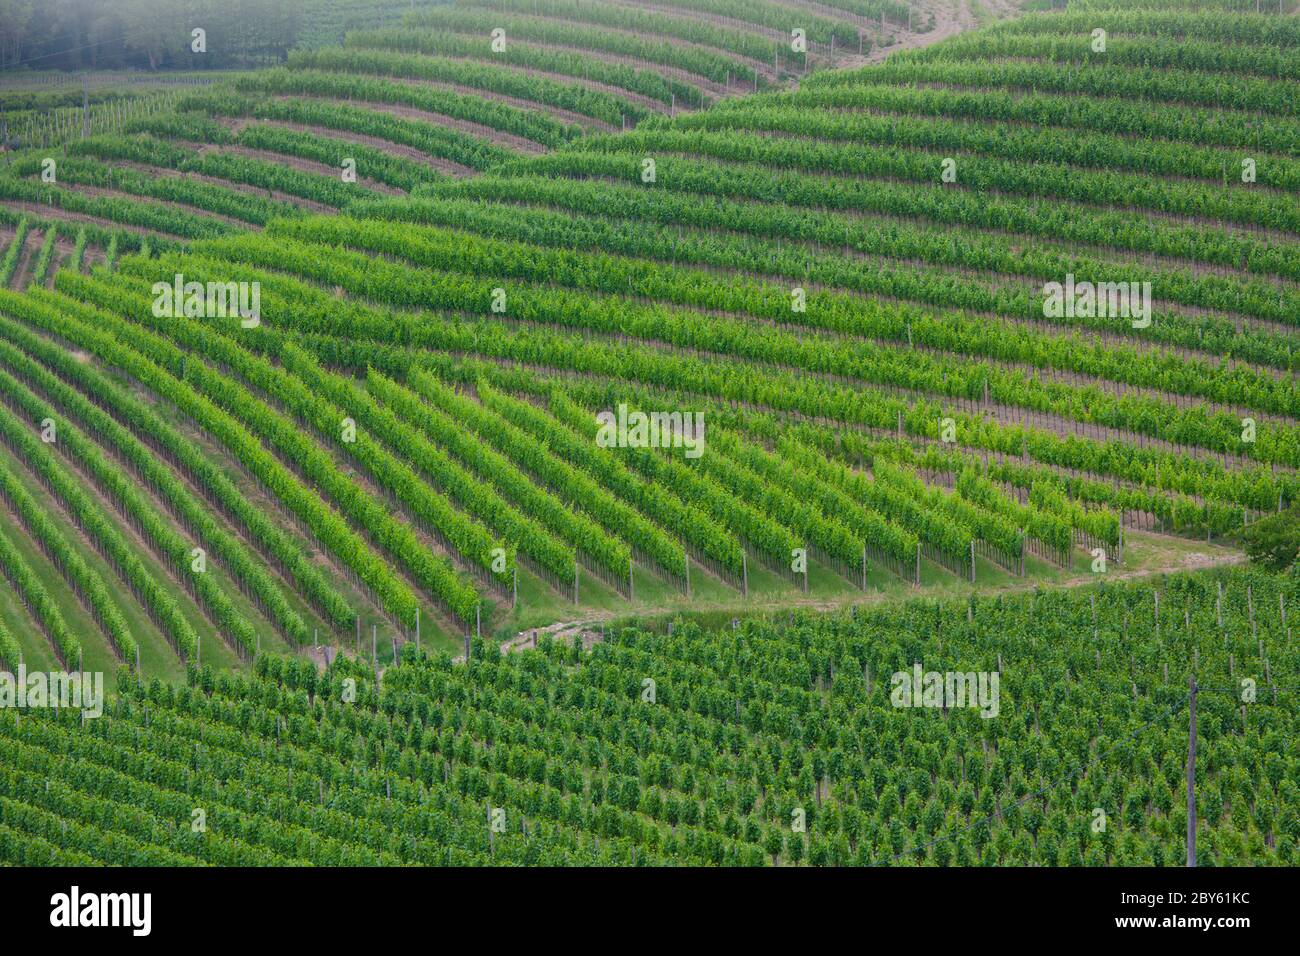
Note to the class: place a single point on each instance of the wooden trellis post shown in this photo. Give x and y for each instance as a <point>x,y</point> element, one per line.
<point>1191,771</point>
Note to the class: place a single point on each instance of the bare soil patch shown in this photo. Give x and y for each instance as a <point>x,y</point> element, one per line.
<point>947,22</point>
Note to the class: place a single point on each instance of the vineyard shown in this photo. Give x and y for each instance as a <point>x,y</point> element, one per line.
<point>405,99</point>
<point>540,324</point>
<point>698,747</point>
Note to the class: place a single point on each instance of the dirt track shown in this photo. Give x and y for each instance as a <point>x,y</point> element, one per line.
<point>591,629</point>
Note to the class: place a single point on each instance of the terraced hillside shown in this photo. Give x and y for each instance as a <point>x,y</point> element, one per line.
<point>316,464</point>
<point>445,91</point>
<point>844,273</point>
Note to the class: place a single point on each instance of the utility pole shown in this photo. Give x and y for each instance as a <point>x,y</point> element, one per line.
<point>1191,771</point>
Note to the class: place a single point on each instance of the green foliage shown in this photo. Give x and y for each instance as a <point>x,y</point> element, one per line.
<point>748,726</point>
<point>1274,542</point>
<point>41,268</point>
<point>9,264</point>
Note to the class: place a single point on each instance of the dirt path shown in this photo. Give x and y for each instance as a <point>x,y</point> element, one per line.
<point>950,18</point>
<point>588,631</point>
<point>591,629</point>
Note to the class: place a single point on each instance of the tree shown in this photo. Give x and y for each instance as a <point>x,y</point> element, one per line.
<point>1274,542</point>
<point>152,30</point>
<point>794,848</point>
<point>773,844</point>
<point>15,18</point>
